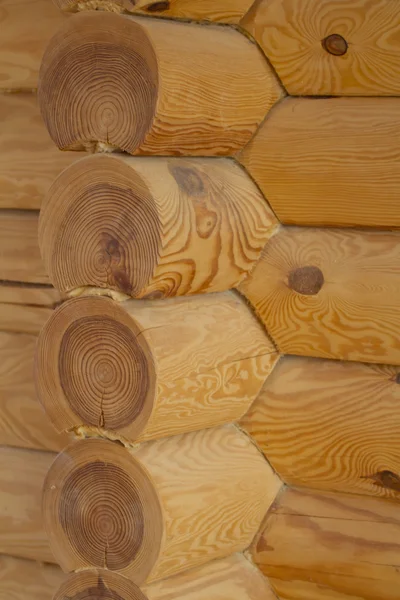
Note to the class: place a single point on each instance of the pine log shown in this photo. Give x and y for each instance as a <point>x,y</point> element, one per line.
<point>160,508</point>
<point>22,473</point>
<point>28,580</point>
<point>32,295</point>
<point>148,86</point>
<point>331,425</point>
<point>341,48</point>
<point>26,28</point>
<point>22,419</point>
<point>153,227</point>
<point>222,11</point>
<point>29,162</point>
<point>19,248</point>
<point>25,308</point>
<point>330,293</point>
<point>347,545</point>
<point>331,161</point>
<point>145,369</point>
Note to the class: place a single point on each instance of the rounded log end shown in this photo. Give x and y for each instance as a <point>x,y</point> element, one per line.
<point>98,584</point>
<point>98,83</point>
<point>101,510</point>
<point>100,227</point>
<point>94,370</point>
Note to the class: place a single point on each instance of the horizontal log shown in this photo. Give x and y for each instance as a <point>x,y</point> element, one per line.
<point>330,162</point>
<point>19,248</point>
<point>32,295</point>
<point>222,11</point>
<point>148,86</point>
<point>159,509</point>
<point>330,293</point>
<point>346,545</point>
<point>337,48</point>
<point>153,227</point>
<point>22,473</point>
<point>29,162</point>
<point>331,425</point>
<point>20,318</point>
<point>28,580</point>
<point>147,369</point>
<point>26,28</point>
<point>22,419</point>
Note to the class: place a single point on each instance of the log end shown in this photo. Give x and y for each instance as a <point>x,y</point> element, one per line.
<point>98,584</point>
<point>101,510</point>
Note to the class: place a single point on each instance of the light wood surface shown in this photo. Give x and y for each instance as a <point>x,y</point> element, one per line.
<point>20,258</point>
<point>330,162</point>
<point>338,48</point>
<point>222,11</point>
<point>151,86</point>
<point>29,161</point>
<point>26,28</point>
<point>22,579</point>
<point>147,369</point>
<point>348,545</point>
<point>153,227</point>
<point>20,318</point>
<point>32,295</point>
<point>158,509</point>
<point>23,421</point>
<point>330,425</point>
<point>22,473</point>
<point>330,293</point>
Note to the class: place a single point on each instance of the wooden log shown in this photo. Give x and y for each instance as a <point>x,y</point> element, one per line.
<point>148,86</point>
<point>330,293</point>
<point>26,28</point>
<point>331,425</point>
<point>221,11</point>
<point>146,369</point>
<point>331,161</point>
<point>346,545</point>
<point>337,48</point>
<point>25,308</point>
<point>22,419</point>
<point>158,509</point>
<point>19,248</point>
<point>32,295</point>
<point>153,227</point>
<point>22,473</point>
<point>28,580</point>
<point>29,162</point>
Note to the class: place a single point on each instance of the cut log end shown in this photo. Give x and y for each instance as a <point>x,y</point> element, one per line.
<point>101,510</point>
<point>98,83</point>
<point>94,369</point>
<point>98,585</point>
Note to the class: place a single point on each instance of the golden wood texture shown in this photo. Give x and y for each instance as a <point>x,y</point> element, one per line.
<point>348,545</point>
<point>22,419</point>
<point>22,473</point>
<point>19,318</point>
<point>333,161</point>
<point>330,425</point>
<point>22,579</point>
<point>147,369</point>
<point>222,11</point>
<point>340,48</point>
<point>330,293</point>
<point>148,86</point>
<point>32,295</point>
<point>29,162</point>
<point>26,28</point>
<point>160,508</point>
<point>153,227</point>
<point>19,250</point>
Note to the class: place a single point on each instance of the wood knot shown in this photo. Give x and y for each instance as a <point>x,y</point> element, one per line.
<point>306,280</point>
<point>188,180</point>
<point>385,479</point>
<point>335,44</point>
<point>157,7</point>
<point>397,378</point>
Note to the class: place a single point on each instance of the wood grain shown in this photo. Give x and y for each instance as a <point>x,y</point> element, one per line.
<point>32,295</point>
<point>26,28</point>
<point>20,318</point>
<point>29,162</point>
<point>348,545</point>
<point>22,473</point>
<point>330,162</point>
<point>222,11</point>
<point>158,509</point>
<point>22,419</point>
<point>363,61</point>
<point>153,227</point>
<point>28,580</point>
<point>330,293</point>
<point>151,86</point>
<point>331,425</point>
<point>146,369</point>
